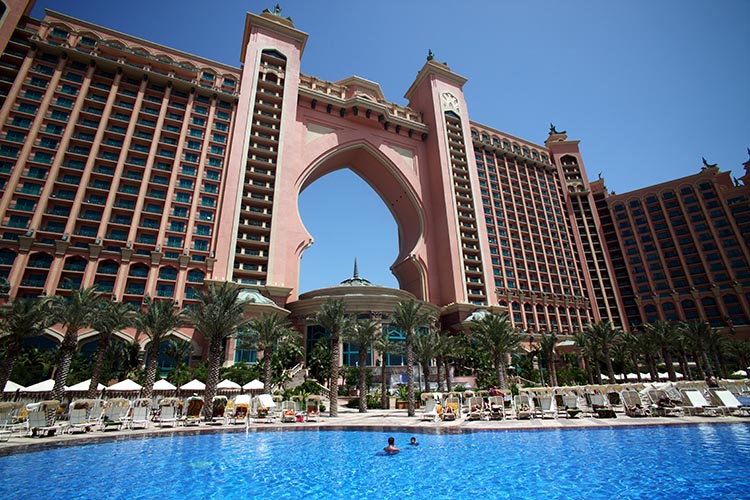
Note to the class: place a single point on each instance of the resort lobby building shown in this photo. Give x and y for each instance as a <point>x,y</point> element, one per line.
<point>148,171</point>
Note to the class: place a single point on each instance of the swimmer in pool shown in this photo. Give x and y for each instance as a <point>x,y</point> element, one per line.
<point>391,448</point>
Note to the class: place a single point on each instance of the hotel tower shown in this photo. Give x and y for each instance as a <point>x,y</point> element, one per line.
<point>148,171</point>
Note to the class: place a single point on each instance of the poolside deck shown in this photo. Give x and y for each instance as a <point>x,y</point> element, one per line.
<point>385,420</point>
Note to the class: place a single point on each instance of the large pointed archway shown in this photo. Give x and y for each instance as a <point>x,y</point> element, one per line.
<point>397,191</point>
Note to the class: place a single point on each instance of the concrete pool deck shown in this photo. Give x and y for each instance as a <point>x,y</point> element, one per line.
<point>376,420</point>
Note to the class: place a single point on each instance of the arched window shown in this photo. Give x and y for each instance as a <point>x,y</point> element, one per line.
<point>108,267</point>
<point>195,276</point>
<point>168,273</point>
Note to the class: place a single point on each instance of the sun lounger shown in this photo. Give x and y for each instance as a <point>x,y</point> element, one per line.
<point>697,404</point>
<point>524,407</point>
<point>240,409</point>
<point>288,412</point>
<point>169,412</point>
<point>312,408</point>
<point>430,412</point>
<point>42,419</point>
<point>452,408</point>
<point>662,409</point>
<point>633,405</point>
<point>79,419</point>
<point>193,412</point>
<point>729,403</point>
<point>10,419</point>
<point>496,408</point>
<point>570,405</point>
<point>600,405</point>
<point>140,414</point>
<point>219,410</point>
<point>116,414</point>
<point>547,407</point>
<point>477,410</point>
<point>263,406</point>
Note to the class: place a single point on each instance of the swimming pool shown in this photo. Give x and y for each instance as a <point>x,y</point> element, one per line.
<point>703,461</point>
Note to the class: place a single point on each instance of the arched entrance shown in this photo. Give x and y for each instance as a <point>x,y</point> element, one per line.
<point>394,190</point>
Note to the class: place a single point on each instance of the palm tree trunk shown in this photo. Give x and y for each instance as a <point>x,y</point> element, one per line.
<point>11,355</point>
<point>448,387</point>
<point>667,354</point>
<point>383,384</point>
<point>719,365</point>
<point>96,371</point>
<point>651,362</point>
<point>362,380</point>
<point>267,369</point>
<point>212,377</point>
<point>426,374</point>
<point>438,364</point>
<point>334,385</point>
<point>148,385</point>
<point>67,350</point>
<point>610,368</point>
<point>552,371</point>
<point>699,365</point>
<point>410,373</point>
<point>684,366</point>
<point>502,375</point>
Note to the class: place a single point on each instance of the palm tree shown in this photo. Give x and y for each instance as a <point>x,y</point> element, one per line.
<point>219,315</point>
<point>698,332</point>
<point>632,345</point>
<point>179,350</point>
<point>716,345</point>
<point>364,333</point>
<point>586,347</point>
<point>604,336</point>
<point>425,350</point>
<point>265,334</point>
<point>75,312</point>
<point>449,347</point>
<point>332,317</point>
<point>408,316</point>
<point>156,321</point>
<point>384,345</point>
<point>664,335</point>
<point>496,336</point>
<point>23,319</point>
<point>112,317</point>
<point>547,345</point>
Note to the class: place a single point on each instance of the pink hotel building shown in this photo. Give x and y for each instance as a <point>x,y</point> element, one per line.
<point>148,171</point>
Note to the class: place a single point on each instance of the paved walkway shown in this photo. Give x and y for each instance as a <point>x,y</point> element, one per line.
<point>389,420</point>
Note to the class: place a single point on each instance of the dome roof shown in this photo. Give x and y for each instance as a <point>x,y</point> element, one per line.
<point>252,296</point>
<point>356,280</point>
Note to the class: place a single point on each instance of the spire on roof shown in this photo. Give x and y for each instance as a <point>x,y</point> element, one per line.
<point>356,271</point>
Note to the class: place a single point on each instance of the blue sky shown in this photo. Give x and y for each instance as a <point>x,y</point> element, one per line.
<point>647,87</point>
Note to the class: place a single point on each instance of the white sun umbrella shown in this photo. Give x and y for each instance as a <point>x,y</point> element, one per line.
<point>228,385</point>
<point>126,385</point>
<point>679,375</point>
<point>741,373</point>
<point>11,386</point>
<point>193,385</point>
<point>44,386</point>
<point>645,376</point>
<point>164,385</point>
<point>254,385</point>
<point>632,376</point>
<point>83,386</point>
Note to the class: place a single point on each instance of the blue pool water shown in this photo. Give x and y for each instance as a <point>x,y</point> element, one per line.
<point>680,462</point>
